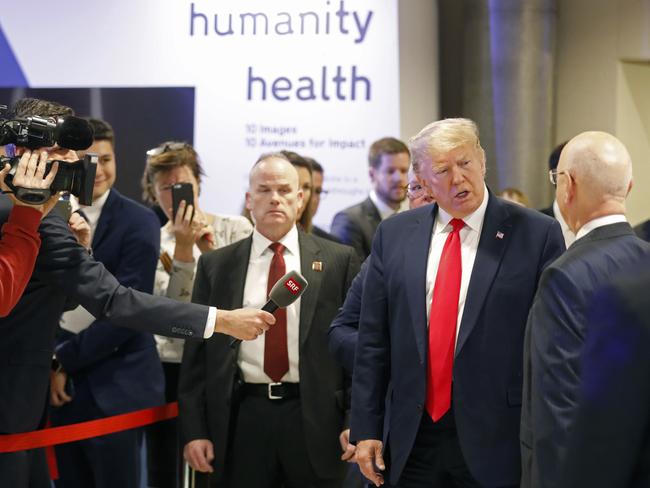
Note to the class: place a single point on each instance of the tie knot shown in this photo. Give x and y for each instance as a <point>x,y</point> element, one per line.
<point>277,248</point>
<point>457,224</point>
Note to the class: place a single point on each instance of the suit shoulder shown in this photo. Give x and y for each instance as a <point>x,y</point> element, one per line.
<point>353,211</point>
<point>136,209</point>
<point>329,245</point>
<point>527,214</point>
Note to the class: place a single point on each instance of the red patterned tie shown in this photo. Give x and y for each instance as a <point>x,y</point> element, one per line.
<point>442,325</point>
<point>276,353</point>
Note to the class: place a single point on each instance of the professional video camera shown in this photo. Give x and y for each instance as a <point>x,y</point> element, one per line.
<point>35,132</point>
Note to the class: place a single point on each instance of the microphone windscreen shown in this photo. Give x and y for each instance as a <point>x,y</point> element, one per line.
<point>288,289</point>
<point>75,133</point>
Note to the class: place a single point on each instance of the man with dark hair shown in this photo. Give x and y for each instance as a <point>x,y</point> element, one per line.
<point>388,161</point>
<point>114,370</point>
<point>65,272</point>
<point>317,191</point>
<point>28,107</point>
<point>554,209</point>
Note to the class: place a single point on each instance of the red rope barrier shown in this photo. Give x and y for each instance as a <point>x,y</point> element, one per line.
<point>85,430</point>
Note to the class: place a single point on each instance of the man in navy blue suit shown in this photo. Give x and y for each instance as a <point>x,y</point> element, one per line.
<point>444,308</point>
<point>608,446</point>
<point>593,179</point>
<point>113,370</point>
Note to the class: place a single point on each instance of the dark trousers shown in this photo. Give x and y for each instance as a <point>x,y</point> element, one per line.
<point>436,460</point>
<point>101,462</point>
<point>164,452</point>
<point>24,469</point>
<point>268,449</point>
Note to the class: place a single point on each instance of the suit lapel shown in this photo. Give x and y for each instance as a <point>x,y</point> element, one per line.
<point>106,216</point>
<point>493,241</point>
<point>416,253</point>
<point>309,252</point>
<point>231,285</point>
<point>371,211</point>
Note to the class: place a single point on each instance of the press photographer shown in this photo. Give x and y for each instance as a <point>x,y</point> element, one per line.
<point>65,271</point>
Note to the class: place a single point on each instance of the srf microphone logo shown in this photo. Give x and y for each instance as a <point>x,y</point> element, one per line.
<point>292,286</point>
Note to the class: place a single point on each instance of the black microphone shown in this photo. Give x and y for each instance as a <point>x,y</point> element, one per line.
<point>285,291</point>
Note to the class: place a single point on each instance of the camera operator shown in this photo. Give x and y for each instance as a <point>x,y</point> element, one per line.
<point>20,239</point>
<point>65,271</point>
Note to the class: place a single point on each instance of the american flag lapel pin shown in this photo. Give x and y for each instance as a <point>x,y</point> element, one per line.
<point>499,235</point>
<point>317,266</point>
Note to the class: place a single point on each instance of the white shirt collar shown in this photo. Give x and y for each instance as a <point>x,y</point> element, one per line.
<point>384,210</point>
<point>261,243</point>
<point>600,222</point>
<point>569,236</point>
<point>474,220</point>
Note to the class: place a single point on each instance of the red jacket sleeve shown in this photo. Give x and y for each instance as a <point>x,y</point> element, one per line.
<point>18,250</point>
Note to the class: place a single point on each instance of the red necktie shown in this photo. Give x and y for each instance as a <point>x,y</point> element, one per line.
<point>442,325</point>
<point>276,353</point>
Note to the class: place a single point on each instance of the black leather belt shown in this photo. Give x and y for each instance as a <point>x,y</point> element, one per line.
<point>272,391</point>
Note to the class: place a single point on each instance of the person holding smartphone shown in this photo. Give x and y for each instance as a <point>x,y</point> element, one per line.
<point>20,240</point>
<point>172,179</point>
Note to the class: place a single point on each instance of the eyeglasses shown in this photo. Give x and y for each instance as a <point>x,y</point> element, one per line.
<point>553,174</point>
<point>414,190</point>
<point>168,146</point>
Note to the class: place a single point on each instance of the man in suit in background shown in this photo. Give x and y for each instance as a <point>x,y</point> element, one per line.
<point>448,289</point>
<point>554,209</point>
<point>610,445</point>
<point>593,179</point>
<point>317,177</point>
<point>112,370</point>
<point>268,413</point>
<point>388,161</point>
<point>65,272</point>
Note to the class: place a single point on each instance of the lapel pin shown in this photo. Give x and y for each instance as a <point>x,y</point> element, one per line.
<point>499,235</point>
<point>317,266</point>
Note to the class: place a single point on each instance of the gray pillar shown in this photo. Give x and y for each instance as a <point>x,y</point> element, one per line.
<point>508,89</point>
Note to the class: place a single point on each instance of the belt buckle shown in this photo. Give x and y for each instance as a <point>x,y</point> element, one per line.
<point>270,390</point>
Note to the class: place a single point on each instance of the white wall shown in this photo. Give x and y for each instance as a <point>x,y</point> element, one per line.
<point>603,80</point>
<point>418,64</point>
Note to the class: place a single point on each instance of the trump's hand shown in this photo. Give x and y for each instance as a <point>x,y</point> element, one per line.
<point>199,454</point>
<point>244,323</point>
<point>369,455</point>
<point>349,450</point>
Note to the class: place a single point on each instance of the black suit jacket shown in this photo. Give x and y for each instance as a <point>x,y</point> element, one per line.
<point>554,340</point>
<point>515,245</point>
<point>209,371</point>
<point>356,226</point>
<point>610,445</point>
<point>64,270</point>
<point>643,230</point>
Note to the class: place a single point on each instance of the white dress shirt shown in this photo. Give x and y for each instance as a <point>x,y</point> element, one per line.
<point>251,353</point>
<point>384,210</point>
<point>599,222</point>
<point>469,237</point>
<point>569,236</point>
